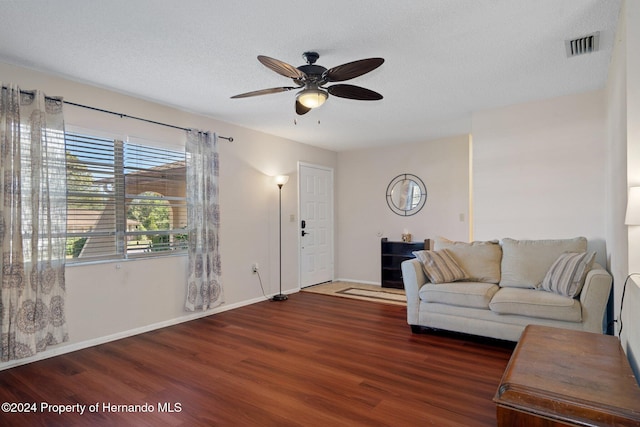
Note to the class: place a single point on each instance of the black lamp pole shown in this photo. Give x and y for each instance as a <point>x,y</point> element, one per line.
<point>280,296</point>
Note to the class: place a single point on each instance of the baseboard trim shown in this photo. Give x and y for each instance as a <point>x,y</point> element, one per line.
<point>63,349</point>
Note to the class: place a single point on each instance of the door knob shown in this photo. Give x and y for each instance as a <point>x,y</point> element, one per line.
<point>304,233</point>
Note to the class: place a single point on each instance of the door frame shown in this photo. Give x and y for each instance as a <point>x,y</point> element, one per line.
<point>331,214</point>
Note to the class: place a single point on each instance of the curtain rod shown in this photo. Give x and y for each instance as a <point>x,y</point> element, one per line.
<point>126,116</point>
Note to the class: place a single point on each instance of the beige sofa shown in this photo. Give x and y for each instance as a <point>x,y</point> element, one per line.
<point>505,286</point>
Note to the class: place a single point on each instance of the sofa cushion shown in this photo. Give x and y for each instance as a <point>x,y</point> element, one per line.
<point>439,266</point>
<point>533,303</point>
<point>463,294</point>
<point>480,260</point>
<point>526,262</point>
<point>566,275</point>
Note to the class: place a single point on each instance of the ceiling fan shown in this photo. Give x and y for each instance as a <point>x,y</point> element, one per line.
<point>311,78</point>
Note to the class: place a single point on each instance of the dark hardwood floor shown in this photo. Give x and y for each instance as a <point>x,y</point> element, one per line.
<point>313,360</point>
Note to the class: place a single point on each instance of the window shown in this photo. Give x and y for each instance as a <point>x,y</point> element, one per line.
<point>124,200</point>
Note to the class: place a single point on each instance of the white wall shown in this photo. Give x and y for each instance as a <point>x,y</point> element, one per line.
<point>364,217</point>
<point>627,74</point>
<point>616,100</point>
<point>114,299</point>
<point>623,122</point>
<point>539,169</point>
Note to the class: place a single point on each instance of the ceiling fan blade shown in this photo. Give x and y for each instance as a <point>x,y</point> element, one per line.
<point>301,109</point>
<point>263,92</point>
<point>281,68</point>
<point>354,92</point>
<point>352,69</point>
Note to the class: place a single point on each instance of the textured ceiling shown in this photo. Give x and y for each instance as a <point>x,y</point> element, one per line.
<point>444,59</point>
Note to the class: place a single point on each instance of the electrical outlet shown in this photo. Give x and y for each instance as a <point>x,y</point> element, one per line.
<point>254,267</point>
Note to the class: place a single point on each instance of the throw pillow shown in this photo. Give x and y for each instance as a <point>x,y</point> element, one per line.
<point>480,260</point>
<point>439,266</point>
<point>567,274</point>
<point>525,262</point>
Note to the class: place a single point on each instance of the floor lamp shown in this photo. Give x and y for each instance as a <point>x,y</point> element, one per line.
<point>280,181</point>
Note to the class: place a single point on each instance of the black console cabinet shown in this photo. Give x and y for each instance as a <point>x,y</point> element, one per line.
<point>392,255</point>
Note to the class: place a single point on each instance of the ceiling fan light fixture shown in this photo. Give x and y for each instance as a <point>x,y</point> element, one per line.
<point>312,97</point>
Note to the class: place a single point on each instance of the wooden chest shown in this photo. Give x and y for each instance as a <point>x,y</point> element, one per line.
<point>559,377</point>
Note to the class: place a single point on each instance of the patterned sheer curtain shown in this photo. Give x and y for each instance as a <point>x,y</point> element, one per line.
<point>33,221</point>
<point>204,289</point>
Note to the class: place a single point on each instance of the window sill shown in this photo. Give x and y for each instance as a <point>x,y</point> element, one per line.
<point>121,260</point>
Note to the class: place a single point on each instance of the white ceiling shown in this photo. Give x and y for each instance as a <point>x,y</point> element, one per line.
<point>443,58</point>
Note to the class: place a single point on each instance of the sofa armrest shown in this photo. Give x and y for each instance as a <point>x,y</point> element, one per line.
<point>413,278</point>
<point>594,297</point>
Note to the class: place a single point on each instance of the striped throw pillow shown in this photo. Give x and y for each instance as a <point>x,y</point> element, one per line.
<point>567,274</point>
<point>439,266</point>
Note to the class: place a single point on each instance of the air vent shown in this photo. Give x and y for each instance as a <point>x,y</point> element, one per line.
<point>583,45</point>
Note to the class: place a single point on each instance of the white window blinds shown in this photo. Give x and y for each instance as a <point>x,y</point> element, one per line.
<point>123,200</point>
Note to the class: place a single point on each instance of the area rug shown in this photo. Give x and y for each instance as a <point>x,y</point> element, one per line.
<point>360,291</point>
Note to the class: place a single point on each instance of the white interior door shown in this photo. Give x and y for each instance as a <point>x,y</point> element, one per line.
<point>316,224</point>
